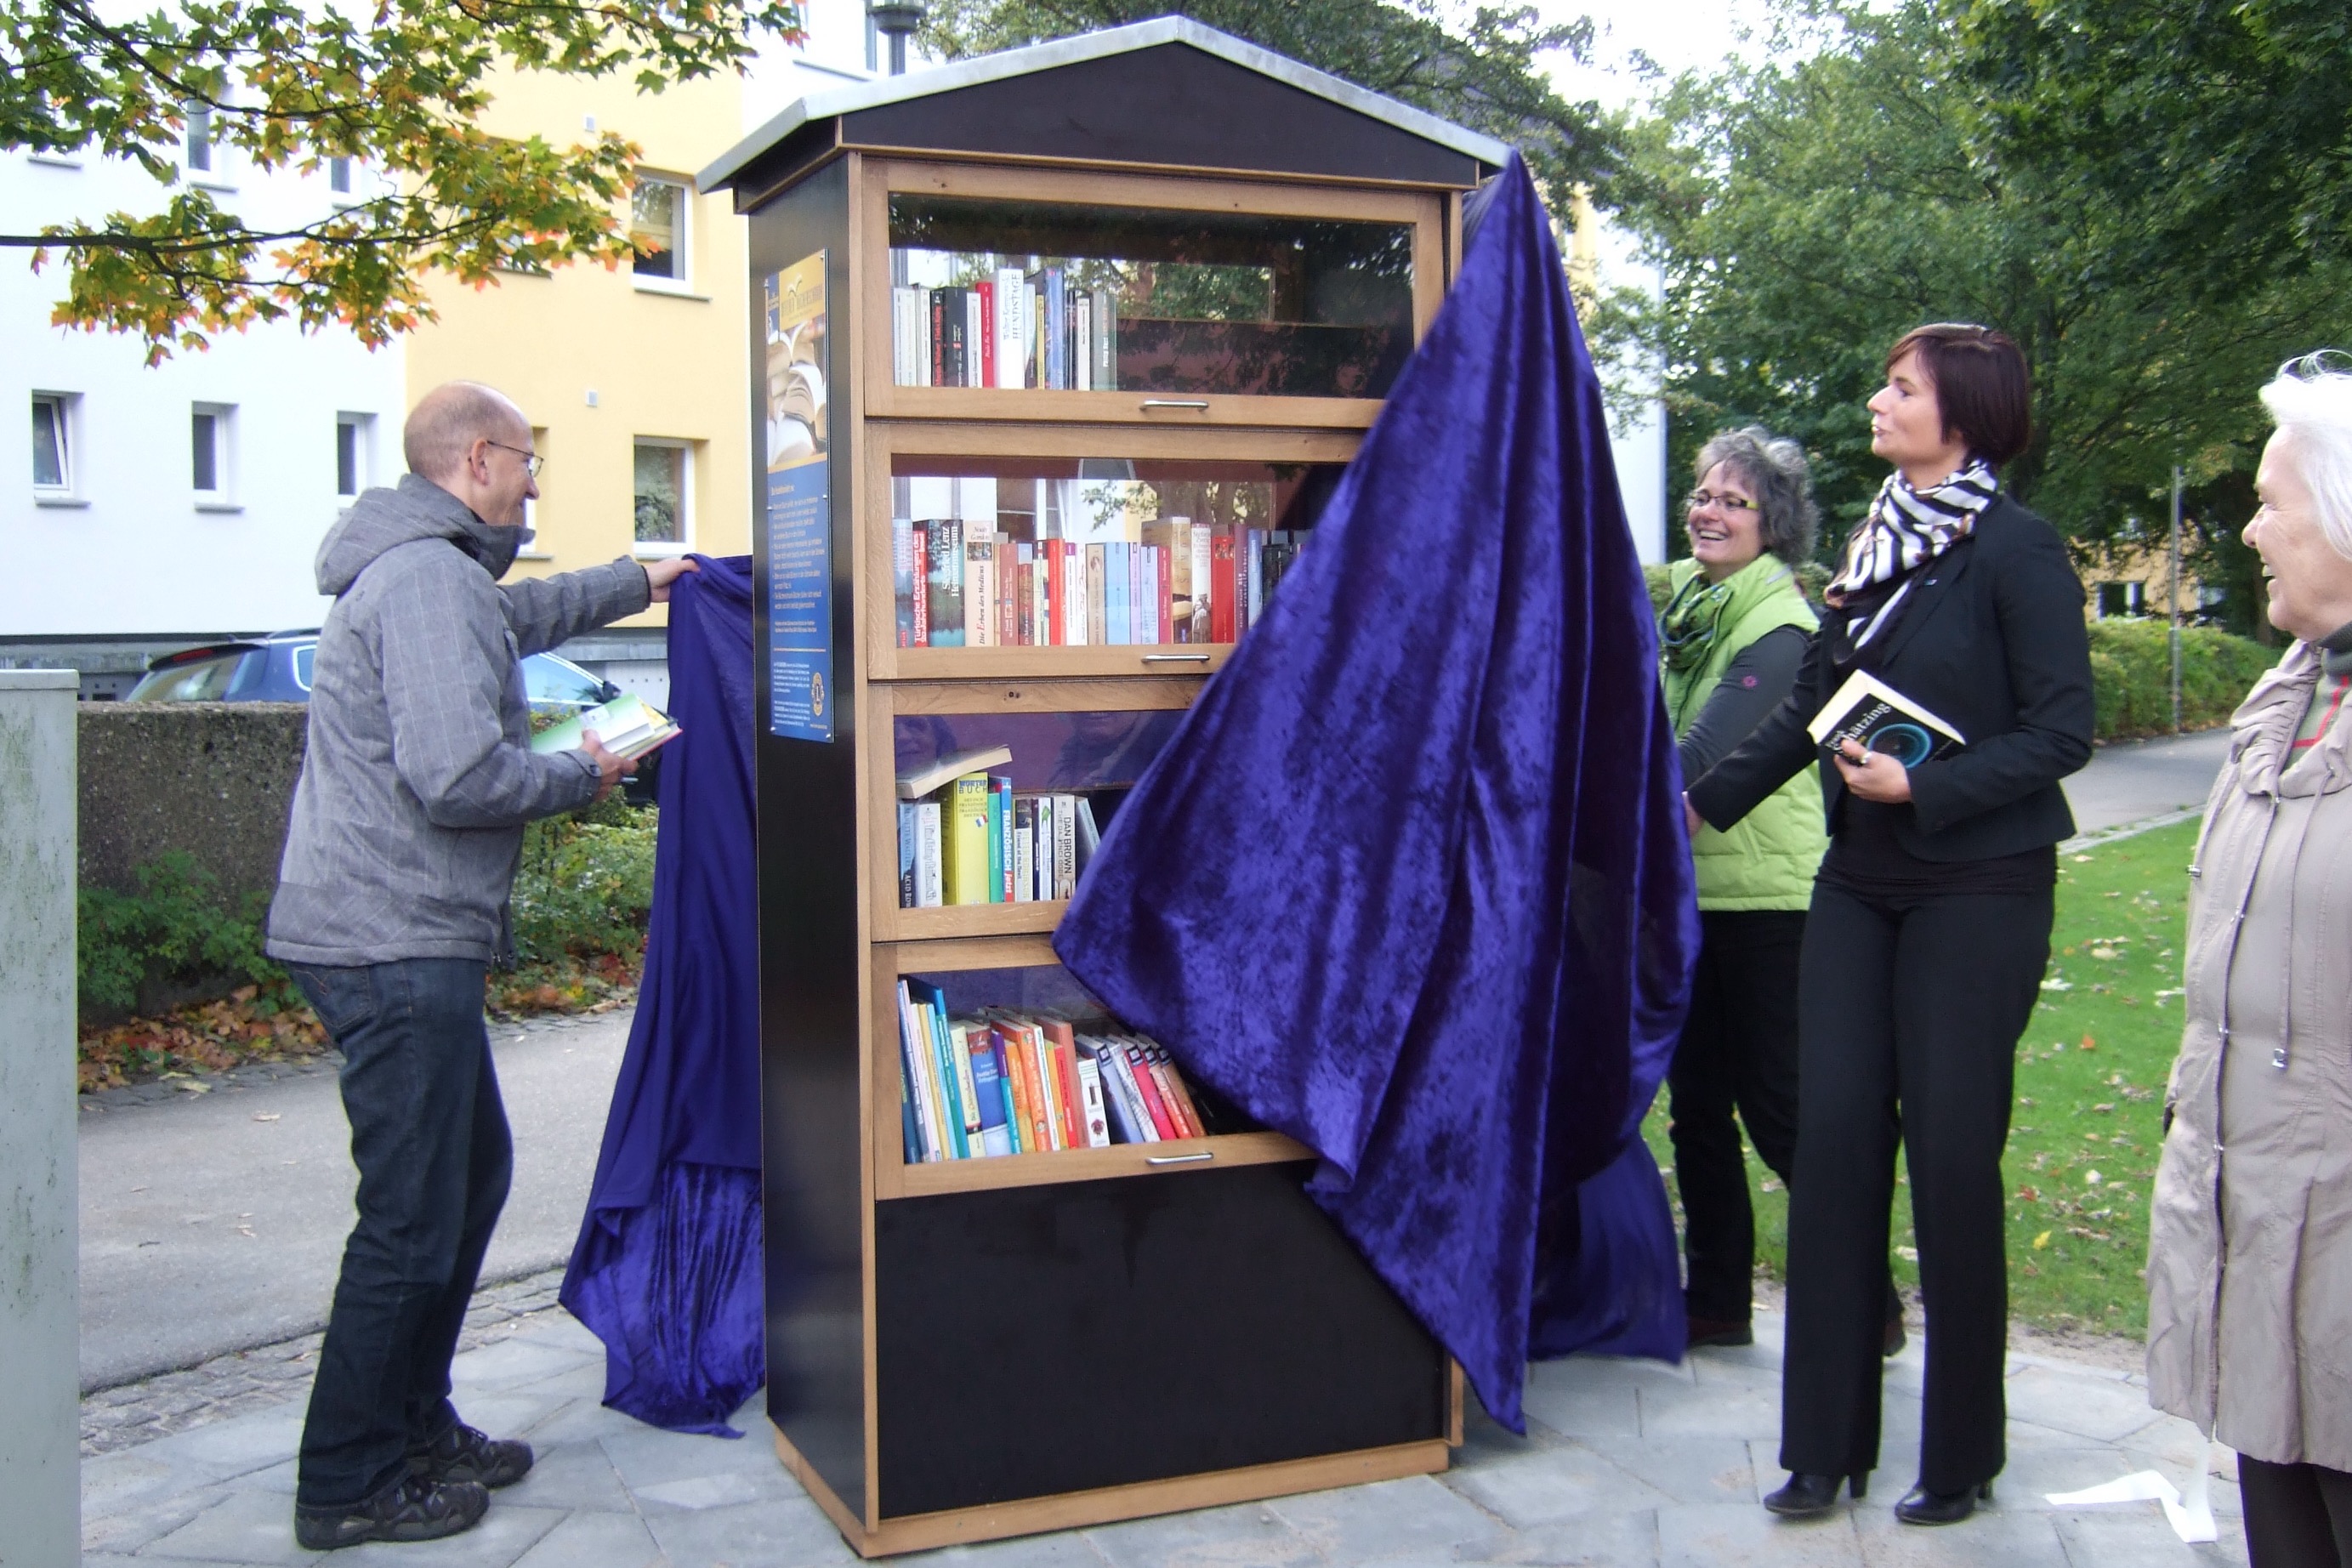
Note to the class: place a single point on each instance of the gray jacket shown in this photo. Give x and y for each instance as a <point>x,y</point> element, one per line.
<point>408,820</point>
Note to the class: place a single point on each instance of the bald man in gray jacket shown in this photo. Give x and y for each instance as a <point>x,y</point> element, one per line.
<point>392,902</point>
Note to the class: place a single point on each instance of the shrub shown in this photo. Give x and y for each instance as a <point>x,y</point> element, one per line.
<point>177,926</point>
<point>586,885</point>
<point>2131,669</point>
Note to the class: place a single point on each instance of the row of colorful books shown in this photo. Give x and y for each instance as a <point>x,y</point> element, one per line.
<point>1015,329</point>
<point>975,840</point>
<point>1004,1082</point>
<point>961,584</point>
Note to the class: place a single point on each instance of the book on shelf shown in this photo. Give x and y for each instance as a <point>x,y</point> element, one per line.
<point>629,727</point>
<point>1008,326</point>
<point>1004,1081</point>
<point>964,847</point>
<point>1867,710</point>
<point>964,584</point>
<point>926,779</point>
<point>974,839</point>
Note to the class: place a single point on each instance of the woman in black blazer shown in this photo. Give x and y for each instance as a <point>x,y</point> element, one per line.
<point>1930,919</point>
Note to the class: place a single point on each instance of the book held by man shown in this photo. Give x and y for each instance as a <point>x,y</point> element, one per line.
<point>629,727</point>
<point>1880,719</point>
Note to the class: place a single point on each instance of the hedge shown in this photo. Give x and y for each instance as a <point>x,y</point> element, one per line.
<point>2131,671</point>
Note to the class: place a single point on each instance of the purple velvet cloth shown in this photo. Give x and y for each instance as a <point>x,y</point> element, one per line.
<point>667,1270</point>
<point>1411,882</point>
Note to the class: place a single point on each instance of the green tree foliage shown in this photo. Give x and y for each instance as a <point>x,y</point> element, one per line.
<point>1477,68</point>
<point>288,84</point>
<point>1810,210</point>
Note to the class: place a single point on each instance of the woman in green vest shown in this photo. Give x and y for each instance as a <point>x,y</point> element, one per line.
<point>1733,633</point>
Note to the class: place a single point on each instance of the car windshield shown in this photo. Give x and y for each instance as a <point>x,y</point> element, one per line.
<point>200,681</point>
<point>553,682</point>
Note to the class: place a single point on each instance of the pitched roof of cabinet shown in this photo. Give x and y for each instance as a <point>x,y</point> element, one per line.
<point>1168,93</point>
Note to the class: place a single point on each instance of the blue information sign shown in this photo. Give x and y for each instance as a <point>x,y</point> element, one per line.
<point>799,506</point>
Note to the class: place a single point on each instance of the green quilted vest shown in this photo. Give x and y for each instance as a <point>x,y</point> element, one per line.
<point>1768,858</point>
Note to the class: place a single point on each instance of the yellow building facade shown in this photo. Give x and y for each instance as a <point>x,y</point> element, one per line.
<point>633,377</point>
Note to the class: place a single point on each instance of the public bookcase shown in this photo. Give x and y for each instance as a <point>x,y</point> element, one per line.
<point>1054,355</point>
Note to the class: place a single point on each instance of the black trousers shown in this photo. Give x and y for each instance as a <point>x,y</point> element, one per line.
<point>429,1136</point>
<point>2297,1516</point>
<point>1910,1006</point>
<point>1737,1054</point>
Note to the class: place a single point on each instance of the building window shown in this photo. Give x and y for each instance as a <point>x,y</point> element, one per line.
<point>212,448</point>
<point>354,452</point>
<point>664,495</point>
<point>198,137</point>
<point>657,214</point>
<point>2121,599</point>
<point>53,444</point>
<point>338,176</point>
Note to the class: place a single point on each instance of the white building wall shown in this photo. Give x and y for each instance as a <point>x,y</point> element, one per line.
<point>133,551</point>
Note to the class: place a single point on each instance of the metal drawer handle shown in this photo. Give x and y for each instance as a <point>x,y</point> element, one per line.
<point>1175,402</point>
<point>1175,658</point>
<point>1180,1159</point>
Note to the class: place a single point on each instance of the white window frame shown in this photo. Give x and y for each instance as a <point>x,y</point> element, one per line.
<point>210,175</point>
<point>222,497</point>
<point>65,411</point>
<point>682,247</point>
<point>537,549</point>
<point>363,429</point>
<point>661,549</point>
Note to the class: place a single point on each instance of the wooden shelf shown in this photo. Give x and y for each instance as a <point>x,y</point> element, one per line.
<point>945,921</point>
<point>1178,1157</point>
<point>1152,410</point>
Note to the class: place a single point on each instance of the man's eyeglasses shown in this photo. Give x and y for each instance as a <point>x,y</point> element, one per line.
<point>531,461</point>
<point>1698,500</point>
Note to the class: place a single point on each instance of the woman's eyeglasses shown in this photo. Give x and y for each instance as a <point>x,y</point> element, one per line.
<point>1698,500</point>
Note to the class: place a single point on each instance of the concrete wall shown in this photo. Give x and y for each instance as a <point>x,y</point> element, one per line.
<point>40,1465</point>
<point>215,779</point>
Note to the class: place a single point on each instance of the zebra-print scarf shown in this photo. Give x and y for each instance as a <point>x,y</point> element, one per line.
<point>1905,527</point>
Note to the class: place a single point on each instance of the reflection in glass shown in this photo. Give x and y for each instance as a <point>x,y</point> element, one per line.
<point>1018,821</point>
<point>1063,296</point>
<point>1072,553</point>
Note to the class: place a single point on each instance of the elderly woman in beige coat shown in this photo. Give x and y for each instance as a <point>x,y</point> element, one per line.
<point>2249,1265</point>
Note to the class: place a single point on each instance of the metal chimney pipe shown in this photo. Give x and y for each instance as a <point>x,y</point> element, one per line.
<point>895,20</point>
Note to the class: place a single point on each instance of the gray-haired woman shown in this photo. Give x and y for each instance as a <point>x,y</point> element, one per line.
<point>2249,1257</point>
<point>1733,636</point>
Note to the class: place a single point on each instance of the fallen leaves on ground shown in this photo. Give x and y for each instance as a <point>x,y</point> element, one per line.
<point>272,1023</point>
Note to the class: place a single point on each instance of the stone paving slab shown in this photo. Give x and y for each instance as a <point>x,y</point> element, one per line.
<point>1625,1465</point>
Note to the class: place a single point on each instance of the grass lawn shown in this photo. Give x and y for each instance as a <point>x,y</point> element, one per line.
<point>2083,1141</point>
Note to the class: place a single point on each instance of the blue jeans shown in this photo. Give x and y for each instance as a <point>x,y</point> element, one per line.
<point>429,1137</point>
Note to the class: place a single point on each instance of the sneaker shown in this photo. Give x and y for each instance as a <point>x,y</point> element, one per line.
<point>462,1454</point>
<point>411,1509</point>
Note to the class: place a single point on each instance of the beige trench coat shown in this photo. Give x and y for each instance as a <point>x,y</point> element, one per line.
<point>2249,1257</point>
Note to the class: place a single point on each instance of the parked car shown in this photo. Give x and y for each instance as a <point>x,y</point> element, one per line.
<point>277,669</point>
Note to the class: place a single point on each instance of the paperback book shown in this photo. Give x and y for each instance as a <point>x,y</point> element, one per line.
<point>1867,710</point>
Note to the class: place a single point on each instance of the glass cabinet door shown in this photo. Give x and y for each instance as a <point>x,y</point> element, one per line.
<point>1178,311</point>
<point>998,795</point>
<point>1086,565</point>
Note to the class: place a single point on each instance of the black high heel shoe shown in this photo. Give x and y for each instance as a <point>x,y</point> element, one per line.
<point>1920,1506</point>
<point>1807,1494</point>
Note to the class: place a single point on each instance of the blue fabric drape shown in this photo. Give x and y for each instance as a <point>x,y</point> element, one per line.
<point>1411,882</point>
<point>667,1270</point>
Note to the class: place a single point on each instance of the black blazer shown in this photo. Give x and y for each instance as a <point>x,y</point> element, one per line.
<point>1993,641</point>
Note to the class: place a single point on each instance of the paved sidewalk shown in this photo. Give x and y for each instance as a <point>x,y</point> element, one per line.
<point>1625,1463</point>
<point>214,1210</point>
<point>2131,781</point>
